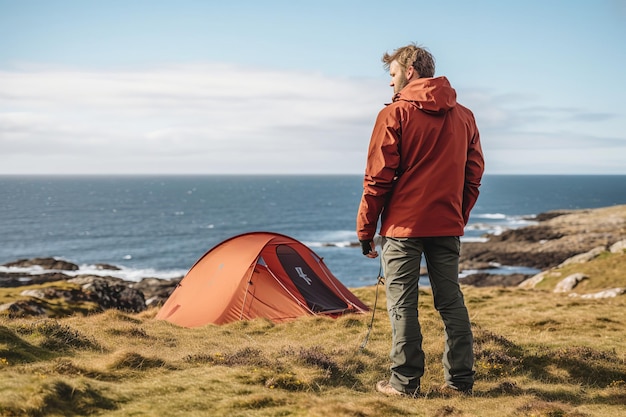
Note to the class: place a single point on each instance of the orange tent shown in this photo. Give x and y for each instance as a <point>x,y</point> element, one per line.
<point>257,274</point>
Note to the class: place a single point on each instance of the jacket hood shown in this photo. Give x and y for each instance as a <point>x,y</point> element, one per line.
<point>432,95</point>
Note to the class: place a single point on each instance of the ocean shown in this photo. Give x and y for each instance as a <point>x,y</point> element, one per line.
<point>159,226</point>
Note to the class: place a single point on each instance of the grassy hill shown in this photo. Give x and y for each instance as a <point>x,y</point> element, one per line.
<point>537,354</point>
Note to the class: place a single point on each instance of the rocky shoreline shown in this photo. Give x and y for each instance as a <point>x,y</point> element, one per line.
<point>558,237</point>
<point>92,293</point>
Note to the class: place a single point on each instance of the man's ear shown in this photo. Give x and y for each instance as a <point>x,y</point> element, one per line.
<point>411,73</point>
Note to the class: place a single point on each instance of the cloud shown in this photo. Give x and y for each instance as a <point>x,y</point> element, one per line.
<point>520,134</point>
<point>514,112</point>
<point>185,111</point>
<point>556,161</point>
<point>218,118</point>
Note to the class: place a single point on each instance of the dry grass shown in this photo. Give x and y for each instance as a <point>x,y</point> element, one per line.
<point>538,353</point>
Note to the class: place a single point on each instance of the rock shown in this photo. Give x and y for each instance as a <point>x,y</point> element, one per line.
<point>107,267</point>
<point>44,263</point>
<point>570,282</point>
<point>534,280</point>
<point>488,280</point>
<point>156,290</point>
<point>12,279</point>
<point>583,257</point>
<point>618,247</point>
<point>110,292</point>
<point>610,293</point>
<point>51,293</point>
<point>528,234</point>
<point>533,255</point>
<point>541,217</point>
<point>25,308</point>
<point>37,293</point>
<point>471,265</point>
<point>155,301</point>
<point>88,279</point>
<point>106,292</point>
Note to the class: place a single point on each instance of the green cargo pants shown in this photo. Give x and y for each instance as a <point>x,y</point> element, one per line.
<point>401,262</point>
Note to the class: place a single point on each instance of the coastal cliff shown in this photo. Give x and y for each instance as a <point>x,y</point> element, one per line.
<point>557,239</point>
<point>557,236</point>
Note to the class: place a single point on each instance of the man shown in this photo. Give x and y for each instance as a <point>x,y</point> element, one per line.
<point>424,168</point>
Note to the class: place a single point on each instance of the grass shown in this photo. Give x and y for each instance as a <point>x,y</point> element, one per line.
<point>537,354</point>
<point>606,271</point>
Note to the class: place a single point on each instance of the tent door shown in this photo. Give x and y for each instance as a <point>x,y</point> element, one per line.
<point>318,296</point>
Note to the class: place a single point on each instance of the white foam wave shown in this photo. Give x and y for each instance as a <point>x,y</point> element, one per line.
<point>478,239</point>
<point>339,244</point>
<point>127,274</point>
<point>492,229</point>
<point>500,225</point>
<point>130,274</point>
<point>479,226</point>
<point>330,238</point>
<point>494,216</point>
<point>521,221</point>
<point>466,272</point>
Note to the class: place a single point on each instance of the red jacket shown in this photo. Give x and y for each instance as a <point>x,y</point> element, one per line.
<point>424,165</point>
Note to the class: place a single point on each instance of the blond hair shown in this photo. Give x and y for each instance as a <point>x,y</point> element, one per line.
<point>412,55</point>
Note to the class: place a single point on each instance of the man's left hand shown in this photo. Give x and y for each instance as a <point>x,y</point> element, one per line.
<point>368,248</point>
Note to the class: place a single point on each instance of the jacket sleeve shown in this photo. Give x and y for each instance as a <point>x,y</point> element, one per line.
<point>474,168</point>
<point>383,159</point>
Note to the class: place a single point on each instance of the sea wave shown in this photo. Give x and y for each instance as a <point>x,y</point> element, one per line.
<point>337,244</point>
<point>493,224</point>
<point>330,238</point>
<point>127,274</point>
<point>494,216</point>
<point>478,239</point>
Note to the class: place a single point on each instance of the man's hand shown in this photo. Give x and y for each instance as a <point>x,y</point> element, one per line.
<point>368,248</point>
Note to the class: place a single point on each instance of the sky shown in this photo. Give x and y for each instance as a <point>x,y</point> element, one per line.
<point>294,87</point>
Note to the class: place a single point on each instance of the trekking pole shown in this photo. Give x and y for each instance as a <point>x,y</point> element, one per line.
<point>379,280</point>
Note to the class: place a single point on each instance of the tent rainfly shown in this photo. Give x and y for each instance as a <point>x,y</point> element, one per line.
<point>258,274</point>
